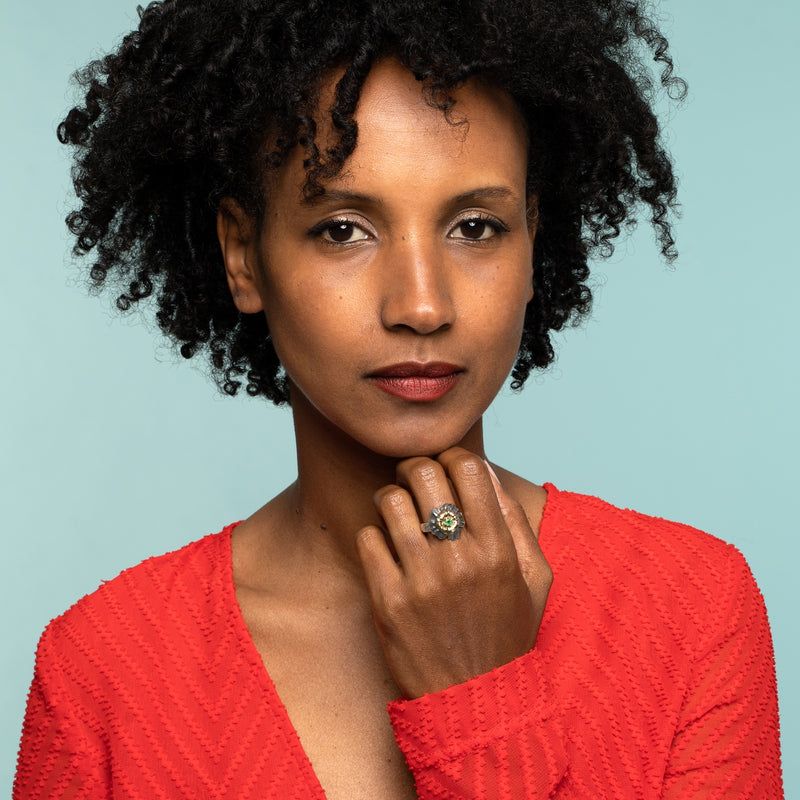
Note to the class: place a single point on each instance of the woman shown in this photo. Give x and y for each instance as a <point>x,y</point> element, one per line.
<point>375,213</point>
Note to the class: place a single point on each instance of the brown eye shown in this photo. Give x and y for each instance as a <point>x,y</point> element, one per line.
<point>344,232</point>
<point>473,229</point>
<point>477,229</point>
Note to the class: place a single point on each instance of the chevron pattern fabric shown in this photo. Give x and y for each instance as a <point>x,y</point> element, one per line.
<point>652,677</point>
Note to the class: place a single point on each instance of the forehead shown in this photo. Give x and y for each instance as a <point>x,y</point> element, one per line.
<point>404,139</point>
<point>393,102</point>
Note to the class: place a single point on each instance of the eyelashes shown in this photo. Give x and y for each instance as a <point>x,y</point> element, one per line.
<point>472,227</point>
<point>340,231</point>
<point>478,228</point>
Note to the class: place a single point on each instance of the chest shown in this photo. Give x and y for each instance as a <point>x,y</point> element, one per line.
<point>331,677</point>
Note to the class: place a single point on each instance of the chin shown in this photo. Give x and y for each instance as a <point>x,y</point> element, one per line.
<point>401,453</point>
<point>415,445</point>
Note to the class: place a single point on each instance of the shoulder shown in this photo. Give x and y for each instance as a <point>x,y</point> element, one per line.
<point>652,564</point>
<point>143,604</point>
<point>579,520</point>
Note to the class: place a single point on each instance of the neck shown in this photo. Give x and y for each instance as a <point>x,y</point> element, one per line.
<point>337,479</point>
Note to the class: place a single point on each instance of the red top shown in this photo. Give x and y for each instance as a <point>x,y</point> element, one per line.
<point>652,677</point>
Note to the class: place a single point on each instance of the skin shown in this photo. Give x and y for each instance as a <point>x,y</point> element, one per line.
<point>420,251</point>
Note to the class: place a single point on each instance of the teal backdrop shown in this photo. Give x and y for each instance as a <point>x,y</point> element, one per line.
<point>679,397</point>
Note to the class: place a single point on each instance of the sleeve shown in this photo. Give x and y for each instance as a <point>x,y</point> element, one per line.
<point>494,737</point>
<point>59,755</point>
<point>727,741</point>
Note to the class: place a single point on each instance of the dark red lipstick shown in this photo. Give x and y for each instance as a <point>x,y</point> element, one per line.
<point>417,382</point>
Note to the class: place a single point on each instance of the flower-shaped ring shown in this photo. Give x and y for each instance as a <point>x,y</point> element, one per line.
<point>444,522</point>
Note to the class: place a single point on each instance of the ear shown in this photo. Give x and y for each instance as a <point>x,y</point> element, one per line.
<point>236,232</point>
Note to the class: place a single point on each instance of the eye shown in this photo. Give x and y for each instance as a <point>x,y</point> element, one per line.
<point>477,229</point>
<point>340,231</point>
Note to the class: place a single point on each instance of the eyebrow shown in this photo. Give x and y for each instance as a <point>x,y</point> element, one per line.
<point>486,193</point>
<point>473,195</point>
<point>338,196</point>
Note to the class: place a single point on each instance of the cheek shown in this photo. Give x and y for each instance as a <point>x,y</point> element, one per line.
<point>505,303</point>
<point>312,331</point>
<point>517,297</point>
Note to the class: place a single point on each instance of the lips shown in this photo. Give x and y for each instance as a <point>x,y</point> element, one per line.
<point>417,382</point>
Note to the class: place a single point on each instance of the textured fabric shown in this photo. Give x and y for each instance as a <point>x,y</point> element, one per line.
<point>652,677</point>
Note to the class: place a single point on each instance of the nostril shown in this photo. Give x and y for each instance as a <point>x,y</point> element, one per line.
<point>418,318</point>
<point>420,300</point>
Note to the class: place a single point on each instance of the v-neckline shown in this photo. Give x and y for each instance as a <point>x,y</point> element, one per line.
<point>265,682</point>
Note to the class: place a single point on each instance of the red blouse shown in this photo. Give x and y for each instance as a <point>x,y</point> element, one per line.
<point>652,677</point>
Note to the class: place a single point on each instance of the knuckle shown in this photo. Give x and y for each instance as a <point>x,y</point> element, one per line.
<point>488,564</point>
<point>426,592</point>
<point>463,571</point>
<point>369,541</point>
<point>466,466</point>
<point>390,498</point>
<point>408,465</point>
<point>395,605</point>
<point>414,544</point>
<point>515,507</point>
<point>501,561</point>
<point>422,472</point>
<point>401,604</point>
<point>365,536</point>
<point>517,519</point>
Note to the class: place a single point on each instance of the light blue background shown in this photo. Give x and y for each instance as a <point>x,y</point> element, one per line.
<point>679,398</point>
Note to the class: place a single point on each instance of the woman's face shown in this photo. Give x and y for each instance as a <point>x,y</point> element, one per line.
<point>396,300</point>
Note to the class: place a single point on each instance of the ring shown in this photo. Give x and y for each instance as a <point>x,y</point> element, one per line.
<point>444,522</point>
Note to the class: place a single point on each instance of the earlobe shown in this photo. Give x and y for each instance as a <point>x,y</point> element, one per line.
<point>237,240</point>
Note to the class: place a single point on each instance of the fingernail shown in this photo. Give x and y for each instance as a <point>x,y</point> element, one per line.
<point>492,473</point>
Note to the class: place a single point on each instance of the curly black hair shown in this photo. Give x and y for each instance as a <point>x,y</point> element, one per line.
<point>177,118</point>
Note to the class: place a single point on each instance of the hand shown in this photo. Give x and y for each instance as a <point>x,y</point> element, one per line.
<point>447,611</point>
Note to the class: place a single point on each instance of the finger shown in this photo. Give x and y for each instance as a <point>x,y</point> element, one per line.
<point>530,556</point>
<point>428,483</point>
<point>396,507</point>
<point>380,569</point>
<point>503,498</point>
<point>477,498</point>
<point>512,510</point>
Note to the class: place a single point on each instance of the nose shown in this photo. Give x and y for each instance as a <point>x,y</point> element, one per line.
<point>417,289</point>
